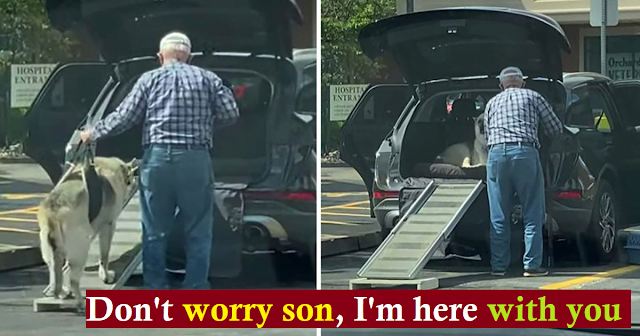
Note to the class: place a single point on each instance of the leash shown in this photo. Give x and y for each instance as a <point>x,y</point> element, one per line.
<point>84,157</point>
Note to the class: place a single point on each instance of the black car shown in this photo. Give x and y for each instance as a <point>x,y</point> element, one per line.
<point>450,59</point>
<point>264,156</point>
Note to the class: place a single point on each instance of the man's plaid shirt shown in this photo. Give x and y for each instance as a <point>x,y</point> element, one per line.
<point>179,104</point>
<point>514,114</point>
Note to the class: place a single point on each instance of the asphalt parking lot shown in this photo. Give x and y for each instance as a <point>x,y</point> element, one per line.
<point>345,212</point>
<point>22,187</point>
<point>345,205</point>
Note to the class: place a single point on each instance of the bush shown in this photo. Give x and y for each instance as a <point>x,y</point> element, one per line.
<point>342,60</point>
<point>14,128</point>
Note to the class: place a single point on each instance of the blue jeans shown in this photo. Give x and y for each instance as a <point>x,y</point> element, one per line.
<point>171,178</point>
<point>515,169</point>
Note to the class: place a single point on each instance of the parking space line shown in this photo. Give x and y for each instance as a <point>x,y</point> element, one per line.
<point>591,278</point>
<point>342,206</point>
<point>5,247</point>
<point>15,211</point>
<point>356,208</point>
<point>338,194</point>
<point>6,229</point>
<point>344,214</point>
<point>20,196</point>
<point>15,219</point>
<point>336,223</point>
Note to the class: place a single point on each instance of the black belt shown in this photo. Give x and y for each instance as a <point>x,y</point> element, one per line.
<point>178,146</point>
<point>515,143</point>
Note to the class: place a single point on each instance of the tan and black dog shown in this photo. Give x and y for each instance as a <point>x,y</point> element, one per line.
<point>67,226</point>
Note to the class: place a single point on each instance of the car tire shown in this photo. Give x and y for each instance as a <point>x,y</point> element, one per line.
<point>605,220</point>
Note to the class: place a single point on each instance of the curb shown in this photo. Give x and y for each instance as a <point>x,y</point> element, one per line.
<point>16,160</point>
<point>344,245</point>
<point>20,258</point>
<point>333,164</point>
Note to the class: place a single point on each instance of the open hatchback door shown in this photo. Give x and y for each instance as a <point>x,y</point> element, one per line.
<point>467,41</point>
<point>125,29</point>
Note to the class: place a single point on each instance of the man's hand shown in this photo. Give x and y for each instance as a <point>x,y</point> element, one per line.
<point>85,135</point>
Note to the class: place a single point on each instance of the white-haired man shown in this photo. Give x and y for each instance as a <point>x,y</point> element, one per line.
<point>178,104</point>
<point>512,119</point>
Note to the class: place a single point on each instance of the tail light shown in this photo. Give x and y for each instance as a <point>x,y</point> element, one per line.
<point>281,195</point>
<point>381,195</point>
<point>239,90</point>
<point>568,195</point>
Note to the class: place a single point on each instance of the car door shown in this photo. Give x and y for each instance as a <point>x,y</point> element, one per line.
<point>627,98</point>
<point>61,105</point>
<point>590,116</point>
<point>368,124</point>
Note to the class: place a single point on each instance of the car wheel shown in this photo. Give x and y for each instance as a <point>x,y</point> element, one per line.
<point>604,222</point>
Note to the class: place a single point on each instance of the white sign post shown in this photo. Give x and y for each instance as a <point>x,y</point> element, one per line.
<point>343,100</point>
<point>603,13</point>
<point>26,82</point>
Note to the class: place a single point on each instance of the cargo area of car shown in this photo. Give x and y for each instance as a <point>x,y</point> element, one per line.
<point>239,151</point>
<point>436,124</point>
<point>447,118</point>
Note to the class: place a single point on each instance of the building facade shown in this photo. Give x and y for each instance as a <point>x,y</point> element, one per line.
<point>623,40</point>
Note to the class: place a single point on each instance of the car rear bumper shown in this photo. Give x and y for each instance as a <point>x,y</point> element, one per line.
<point>572,217</point>
<point>387,213</point>
<point>280,226</point>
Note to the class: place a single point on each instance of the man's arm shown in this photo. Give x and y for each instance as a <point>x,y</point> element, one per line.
<point>225,108</point>
<point>127,114</point>
<point>486,119</point>
<point>550,123</point>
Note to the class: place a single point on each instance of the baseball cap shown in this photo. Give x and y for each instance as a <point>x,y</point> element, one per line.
<point>510,71</point>
<point>177,40</point>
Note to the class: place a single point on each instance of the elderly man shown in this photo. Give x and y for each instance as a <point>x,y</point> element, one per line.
<point>512,119</point>
<point>179,104</point>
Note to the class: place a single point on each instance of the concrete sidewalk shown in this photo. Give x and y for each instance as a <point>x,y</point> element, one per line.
<point>16,257</point>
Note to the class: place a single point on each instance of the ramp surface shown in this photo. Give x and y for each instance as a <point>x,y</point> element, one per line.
<point>429,220</point>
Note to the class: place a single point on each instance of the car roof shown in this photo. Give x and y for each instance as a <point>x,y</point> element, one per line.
<point>573,79</point>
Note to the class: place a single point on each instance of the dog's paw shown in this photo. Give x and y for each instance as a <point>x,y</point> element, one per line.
<point>66,295</point>
<point>107,276</point>
<point>48,291</point>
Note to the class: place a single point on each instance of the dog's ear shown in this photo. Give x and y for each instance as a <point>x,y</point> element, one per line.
<point>133,165</point>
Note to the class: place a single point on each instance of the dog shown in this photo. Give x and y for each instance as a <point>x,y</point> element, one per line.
<point>66,231</point>
<point>467,154</point>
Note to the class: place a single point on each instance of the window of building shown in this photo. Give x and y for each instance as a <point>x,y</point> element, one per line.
<point>623,56</point>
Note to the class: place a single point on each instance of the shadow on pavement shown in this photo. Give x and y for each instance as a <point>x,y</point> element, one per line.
<point>331,185</point>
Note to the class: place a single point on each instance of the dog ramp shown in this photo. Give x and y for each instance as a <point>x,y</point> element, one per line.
<point>418,234</point>
<point>124,257</point>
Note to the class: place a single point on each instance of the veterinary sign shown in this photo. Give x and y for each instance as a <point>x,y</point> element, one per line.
<point>623,66</point>
<point>26,82</point>
<point>343,99</point>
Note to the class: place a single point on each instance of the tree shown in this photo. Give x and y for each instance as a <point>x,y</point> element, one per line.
<point>342,60</point>
<point>27,37</point>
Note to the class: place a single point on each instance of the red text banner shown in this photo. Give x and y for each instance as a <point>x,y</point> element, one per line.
<point>359,309</point>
